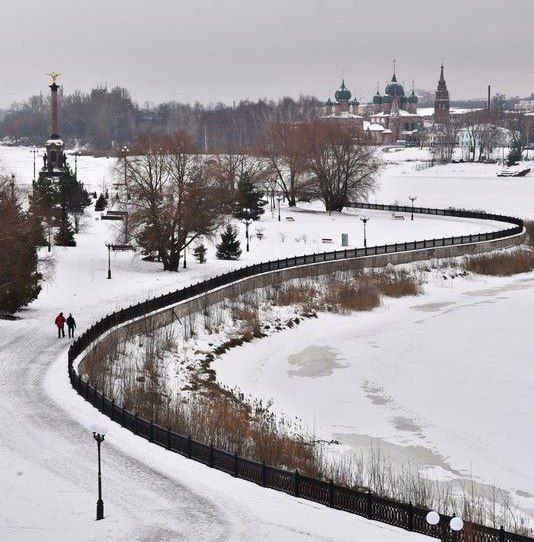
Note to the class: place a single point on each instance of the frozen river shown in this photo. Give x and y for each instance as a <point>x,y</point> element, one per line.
<point>443,380</point>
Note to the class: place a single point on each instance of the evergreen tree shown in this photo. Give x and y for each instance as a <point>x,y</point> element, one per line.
<point>199,252</point>
<point>19,278</point>
<point>250,200</point>
<point>65,234</point>
<point>228,248</point>
<point>101,203</point>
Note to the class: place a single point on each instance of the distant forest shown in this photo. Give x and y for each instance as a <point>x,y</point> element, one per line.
<point>106,119</point>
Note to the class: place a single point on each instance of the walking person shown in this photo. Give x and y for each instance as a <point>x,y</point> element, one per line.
<point>71,325</point>
<point>60,323</point>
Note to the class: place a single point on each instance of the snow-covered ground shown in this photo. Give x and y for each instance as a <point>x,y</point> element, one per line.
<point>48,457</point>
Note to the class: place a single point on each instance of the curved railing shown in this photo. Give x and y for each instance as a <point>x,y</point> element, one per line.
<point>363,503</point>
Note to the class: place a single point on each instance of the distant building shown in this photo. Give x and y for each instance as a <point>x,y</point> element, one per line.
<point>388,119</point>
<point>442,102</point>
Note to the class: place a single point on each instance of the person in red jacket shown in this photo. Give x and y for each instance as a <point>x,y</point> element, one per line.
<point>60,323</point>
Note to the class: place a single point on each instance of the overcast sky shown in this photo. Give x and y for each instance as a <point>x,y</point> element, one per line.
<point>221,50</point>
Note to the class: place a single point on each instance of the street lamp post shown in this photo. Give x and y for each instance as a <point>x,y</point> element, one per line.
<point>364,220</point>
<point>12,187</point>
<point>279,199</point>
<point>99,432</point>
<point>185,254</point>
<point>109,259</point>
<point>247,224</point>
<point>34,152</point>
<point>412,199</point>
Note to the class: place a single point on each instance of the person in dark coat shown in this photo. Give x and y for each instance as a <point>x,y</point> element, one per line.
<point>71,325</point>
<point>60,323</point>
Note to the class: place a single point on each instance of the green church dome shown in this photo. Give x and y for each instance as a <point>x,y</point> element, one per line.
<point>394,88</point>
<point>343,93</point>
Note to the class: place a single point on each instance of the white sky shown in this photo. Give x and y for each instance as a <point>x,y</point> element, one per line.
<point>221,50</point>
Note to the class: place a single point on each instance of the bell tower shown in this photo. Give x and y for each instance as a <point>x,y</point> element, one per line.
<point>442,102</point>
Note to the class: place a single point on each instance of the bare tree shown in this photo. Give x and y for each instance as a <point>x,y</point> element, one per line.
<point>442,148</point>
<point>174,197</point>
<point>282,145</point>
<point>343,166</point>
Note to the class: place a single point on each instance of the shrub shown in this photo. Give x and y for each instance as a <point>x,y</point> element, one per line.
<point>501,264</point>
<point>395,283</point>
<point>342,296</point>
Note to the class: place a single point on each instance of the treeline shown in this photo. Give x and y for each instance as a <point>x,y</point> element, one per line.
<point>106,119</point>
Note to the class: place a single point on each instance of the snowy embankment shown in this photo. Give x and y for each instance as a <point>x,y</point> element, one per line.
<point>49,457</point>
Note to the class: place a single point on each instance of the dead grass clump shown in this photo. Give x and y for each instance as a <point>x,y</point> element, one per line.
<point>347,296</point>
<point>250,324</point>
<point>295,295</point>
<point>395,283</point>
<point>501,264</point>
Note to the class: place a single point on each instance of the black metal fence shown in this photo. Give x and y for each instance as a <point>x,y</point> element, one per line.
<point>363,503</point>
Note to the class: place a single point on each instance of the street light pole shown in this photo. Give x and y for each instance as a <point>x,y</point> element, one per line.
<point>247,223</point>
<point>185,254</point>
<point>34,152</point>
<point>99,432</point>
<point>364,220</point>
<point>12,187</point>
<point>279,199</point>
<point>412,199</point>
<point>109,259</point>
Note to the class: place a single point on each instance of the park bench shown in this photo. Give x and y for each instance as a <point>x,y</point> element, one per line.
<point>290,219</point>
<point>397,216</point>
<point>327,240</point>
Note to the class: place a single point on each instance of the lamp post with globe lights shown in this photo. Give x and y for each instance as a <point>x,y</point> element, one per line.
<point>99,432</point>
<point>456,524</point>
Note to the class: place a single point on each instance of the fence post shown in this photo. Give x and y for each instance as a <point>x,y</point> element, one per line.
<point>369,505</point>
<point>212,462</point>
<point>236,465</point>
<point>189,446</point>
<point>410,516</point>
<point>135,423</point>
<point>296,484</point>
<point>168,438</point>
<point>434,242</point>
<point>502,534</point>
<point>331,489</point>
<point>263,473</point>
<point>151,431</point>
<point>345,253</point>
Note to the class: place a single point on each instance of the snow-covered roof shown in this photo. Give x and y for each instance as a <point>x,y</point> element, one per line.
<point>402,113</point>
<point>429,111</point>
<point>373,126</point>
<point>57,142</point>
<point>342,115</point>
